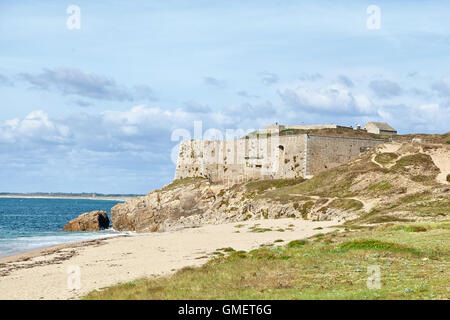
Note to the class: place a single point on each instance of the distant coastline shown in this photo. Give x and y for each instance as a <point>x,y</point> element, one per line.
<point>86,196</point>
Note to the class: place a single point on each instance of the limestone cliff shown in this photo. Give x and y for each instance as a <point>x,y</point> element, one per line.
<point>194,202</point>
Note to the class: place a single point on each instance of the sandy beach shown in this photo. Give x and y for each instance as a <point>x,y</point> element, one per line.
<point>43,274</point>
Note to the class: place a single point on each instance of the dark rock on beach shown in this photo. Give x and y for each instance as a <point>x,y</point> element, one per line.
<point>89,221</point>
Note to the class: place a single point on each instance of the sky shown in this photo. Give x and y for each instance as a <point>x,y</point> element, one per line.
<point>93,94</point>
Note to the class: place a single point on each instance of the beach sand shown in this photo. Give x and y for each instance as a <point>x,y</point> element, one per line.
<point>43,274</point>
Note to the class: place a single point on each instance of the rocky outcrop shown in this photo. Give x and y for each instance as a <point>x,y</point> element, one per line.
<point>199,203</point>
<point>153,212</point>
<point>89,221</point>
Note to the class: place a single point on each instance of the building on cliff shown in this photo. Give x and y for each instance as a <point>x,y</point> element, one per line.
<point>380,128</point>
<point>268,155</point>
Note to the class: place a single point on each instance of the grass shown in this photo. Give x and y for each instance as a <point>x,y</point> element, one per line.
<point>296,243</point>
<point>413,265</point>
<point>380,187</point>
<point>429,138</point>
<point>263,185</point>
<point>386,157</point>
<point>227,249</point>
<point>334,182</point>
<point>421,204</point>
<point>369,244</point>
<point>346,204</point>
<point>182,182</point>
<point>260,230</point>
<point>413,228</point>
<point>338,181</point>
<point>421,160</point>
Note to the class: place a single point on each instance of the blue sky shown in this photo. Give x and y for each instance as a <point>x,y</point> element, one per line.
<point>93,109</point>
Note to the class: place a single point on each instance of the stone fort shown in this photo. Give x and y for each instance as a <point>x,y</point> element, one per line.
<point>267,154</point>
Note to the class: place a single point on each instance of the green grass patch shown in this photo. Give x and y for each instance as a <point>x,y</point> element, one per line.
<point>381,218</point>
<point>413,198</point>
<point>227,249</point>
<point>369,244</point>
<point>263,185</point>
<point>346,204</point>
<point>412,228</point>
<point>182,182</point>
<point>296,243</point>
<point>380,186</point>
<point>418,161</point>
<point>386,157</point>
<point>263,253</point>
<point>260,230</point>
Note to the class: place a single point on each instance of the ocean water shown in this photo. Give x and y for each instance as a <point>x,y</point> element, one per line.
<point>27,224</point>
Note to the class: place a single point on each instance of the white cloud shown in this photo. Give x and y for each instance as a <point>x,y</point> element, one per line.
<point>419,118</point>
<point>442,87</point>
<point>36,126</point>
<point>333,99</point>
<point>385,88</point>
<point>71,81</point>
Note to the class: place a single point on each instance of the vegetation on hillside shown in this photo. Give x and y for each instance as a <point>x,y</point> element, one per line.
<point>181,182</point>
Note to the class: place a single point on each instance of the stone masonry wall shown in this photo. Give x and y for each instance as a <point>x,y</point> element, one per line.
<point>326,152</point>
<point>232,161</point>
<point>273,157</point>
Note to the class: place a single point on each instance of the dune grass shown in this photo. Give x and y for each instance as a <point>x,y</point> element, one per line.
<point>181,182</point>
<point>346,204</point>
<point>263,185</point>
<point>413,265</point>
<point>386,157</point>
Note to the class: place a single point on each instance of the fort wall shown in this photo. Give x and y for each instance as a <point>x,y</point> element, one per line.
<point>267,157</point>
<point>326,152</point>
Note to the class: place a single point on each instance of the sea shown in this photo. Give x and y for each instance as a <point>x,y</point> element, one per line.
<point>33,223</point>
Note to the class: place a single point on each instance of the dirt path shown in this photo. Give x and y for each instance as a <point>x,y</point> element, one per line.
<point>368,204</point>
<point>441,159</point>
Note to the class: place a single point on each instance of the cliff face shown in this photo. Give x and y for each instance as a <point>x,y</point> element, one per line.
<point>194,202</point>
<point>390,183</point>
<point>159,209</point>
